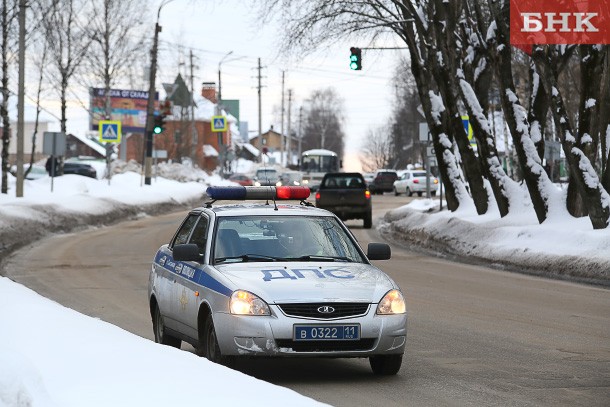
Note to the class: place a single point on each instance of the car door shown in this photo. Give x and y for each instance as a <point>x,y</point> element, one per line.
<point>168,279</point>
<point>187,292</point>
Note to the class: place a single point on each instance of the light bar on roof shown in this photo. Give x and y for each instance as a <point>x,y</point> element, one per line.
<point>240,193</point>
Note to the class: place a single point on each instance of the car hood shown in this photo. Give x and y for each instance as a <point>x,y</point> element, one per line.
<point>309,281</point>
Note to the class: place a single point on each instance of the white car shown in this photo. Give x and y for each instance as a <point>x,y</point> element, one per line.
<point>414,181</point>
<point>271,279</point>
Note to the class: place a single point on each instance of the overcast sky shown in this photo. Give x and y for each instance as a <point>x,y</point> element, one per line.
<point>214,28</point>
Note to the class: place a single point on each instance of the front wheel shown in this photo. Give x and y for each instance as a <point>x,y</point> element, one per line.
<point>159,329</point>
<point>385,365</point>
<point>211,349</point>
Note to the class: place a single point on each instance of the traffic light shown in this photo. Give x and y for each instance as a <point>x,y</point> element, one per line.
<point>355,59</point>
<point>158,124</point>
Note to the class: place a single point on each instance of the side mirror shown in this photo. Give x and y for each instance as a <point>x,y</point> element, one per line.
<point>378,251</point>
<point>187,252</point>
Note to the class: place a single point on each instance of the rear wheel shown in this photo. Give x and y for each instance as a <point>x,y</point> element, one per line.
<point>211,349</point>
<point>396,193</point>
<point>409,192</point>
<point>385,365</point>
<point>433,193</point>
<point>159,329</point>
<point>419,194</point>
<point>368,220</point>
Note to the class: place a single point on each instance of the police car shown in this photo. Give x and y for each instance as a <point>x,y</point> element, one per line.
<point>269,278</point>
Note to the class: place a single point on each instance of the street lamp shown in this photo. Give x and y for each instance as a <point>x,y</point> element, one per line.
<point>148,135</point>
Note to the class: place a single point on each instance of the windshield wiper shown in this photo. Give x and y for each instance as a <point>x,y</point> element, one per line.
<point>247,257</point>
<point>309,257</point>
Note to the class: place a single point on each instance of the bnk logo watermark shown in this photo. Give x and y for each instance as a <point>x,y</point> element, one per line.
<point>559,22</point>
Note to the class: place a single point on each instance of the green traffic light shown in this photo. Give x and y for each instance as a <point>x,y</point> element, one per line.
<point>353,65</point>
<point>157,130</point>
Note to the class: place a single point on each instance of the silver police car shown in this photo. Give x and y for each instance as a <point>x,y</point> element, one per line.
<point>275,279</point>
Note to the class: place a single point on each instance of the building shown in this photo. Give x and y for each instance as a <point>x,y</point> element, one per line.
<point>28,140</point>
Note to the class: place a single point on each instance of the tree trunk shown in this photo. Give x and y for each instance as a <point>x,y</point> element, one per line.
<point>444,63</point>
<point>6,123</point>
<point>516,118</point>
<point>594,196</point>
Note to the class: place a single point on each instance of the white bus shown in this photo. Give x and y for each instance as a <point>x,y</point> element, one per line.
<point>315,163</point>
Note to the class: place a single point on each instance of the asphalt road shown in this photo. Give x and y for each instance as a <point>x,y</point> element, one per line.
<point>476,337</point>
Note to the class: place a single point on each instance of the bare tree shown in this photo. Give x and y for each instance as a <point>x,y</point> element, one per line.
<point>7,17</point>
<point>64,24</point>
<point>378,150</point>
<point>323,121</point>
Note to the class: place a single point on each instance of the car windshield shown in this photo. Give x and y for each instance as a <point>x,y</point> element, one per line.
<point>283,238</point>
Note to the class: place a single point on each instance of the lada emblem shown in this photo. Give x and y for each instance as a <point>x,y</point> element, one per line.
<point>326,309</point>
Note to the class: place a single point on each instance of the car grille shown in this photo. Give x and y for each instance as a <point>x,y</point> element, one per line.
<point>311,310</point>
<point>326,346</point>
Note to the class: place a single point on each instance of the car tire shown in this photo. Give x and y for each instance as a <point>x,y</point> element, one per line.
<point>159,330</point>
<point>419,194</point>
<point>210,348</point>
<point>396,193</point>
<point>368,220</point>
<point>385,365</point>
<point>409,192</point>
<point>433,193</point>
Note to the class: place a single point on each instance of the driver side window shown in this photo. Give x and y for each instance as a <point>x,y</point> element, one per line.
<point>200,234</point>
<point>185,230</point>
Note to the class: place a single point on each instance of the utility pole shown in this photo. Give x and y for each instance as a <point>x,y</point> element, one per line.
<point>194,138</point>
<point>151,103</point>
<point>300,134</point>
<point>289,136</point>
<point>260,133</point>
<point>283,136</point>
<point>20,99</point>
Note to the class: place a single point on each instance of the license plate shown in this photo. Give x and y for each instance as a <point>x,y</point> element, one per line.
<point>326,332</point>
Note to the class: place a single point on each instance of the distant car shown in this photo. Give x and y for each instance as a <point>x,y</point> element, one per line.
<point>383,181</point>
<point>368,177</point>
<point>76,168</point>
<point>258,280</point>
<point>414,181</point>
<point>291,178</point>
<point>241,179</point>
<point>266,177</point>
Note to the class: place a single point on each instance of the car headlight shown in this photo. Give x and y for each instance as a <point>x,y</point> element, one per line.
<point>392,303</point>
<point>257,184</point>
<point>246,303</point>
<point>305,181</point>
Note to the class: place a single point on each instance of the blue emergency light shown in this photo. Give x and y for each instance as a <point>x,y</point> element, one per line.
<point>241,193</point>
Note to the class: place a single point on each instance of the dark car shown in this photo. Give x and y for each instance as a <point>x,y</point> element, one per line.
<point>346,195</point>
<point>383,181</point>
<point>79,169</point>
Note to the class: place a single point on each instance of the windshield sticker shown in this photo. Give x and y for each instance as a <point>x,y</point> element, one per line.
<point>295,274</point>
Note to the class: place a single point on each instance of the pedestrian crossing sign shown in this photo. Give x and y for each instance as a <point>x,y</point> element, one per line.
<point>109,131</point>
<point>219,123</point>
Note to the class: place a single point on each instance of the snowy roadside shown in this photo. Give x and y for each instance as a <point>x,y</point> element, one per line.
<point>563,247</point>
<point>79,202</point>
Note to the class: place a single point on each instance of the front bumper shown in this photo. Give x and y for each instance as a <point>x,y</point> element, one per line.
<point>273,335</point>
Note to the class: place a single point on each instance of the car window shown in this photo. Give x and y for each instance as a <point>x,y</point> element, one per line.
<point>282,237</point>
<point>185,230</point>
<point>419,174</point>
<point>343,181</point>
<point>200,234</point>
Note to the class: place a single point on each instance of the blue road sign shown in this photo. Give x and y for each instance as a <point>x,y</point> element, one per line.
<point>110,131</point>
<point>219,123</point>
